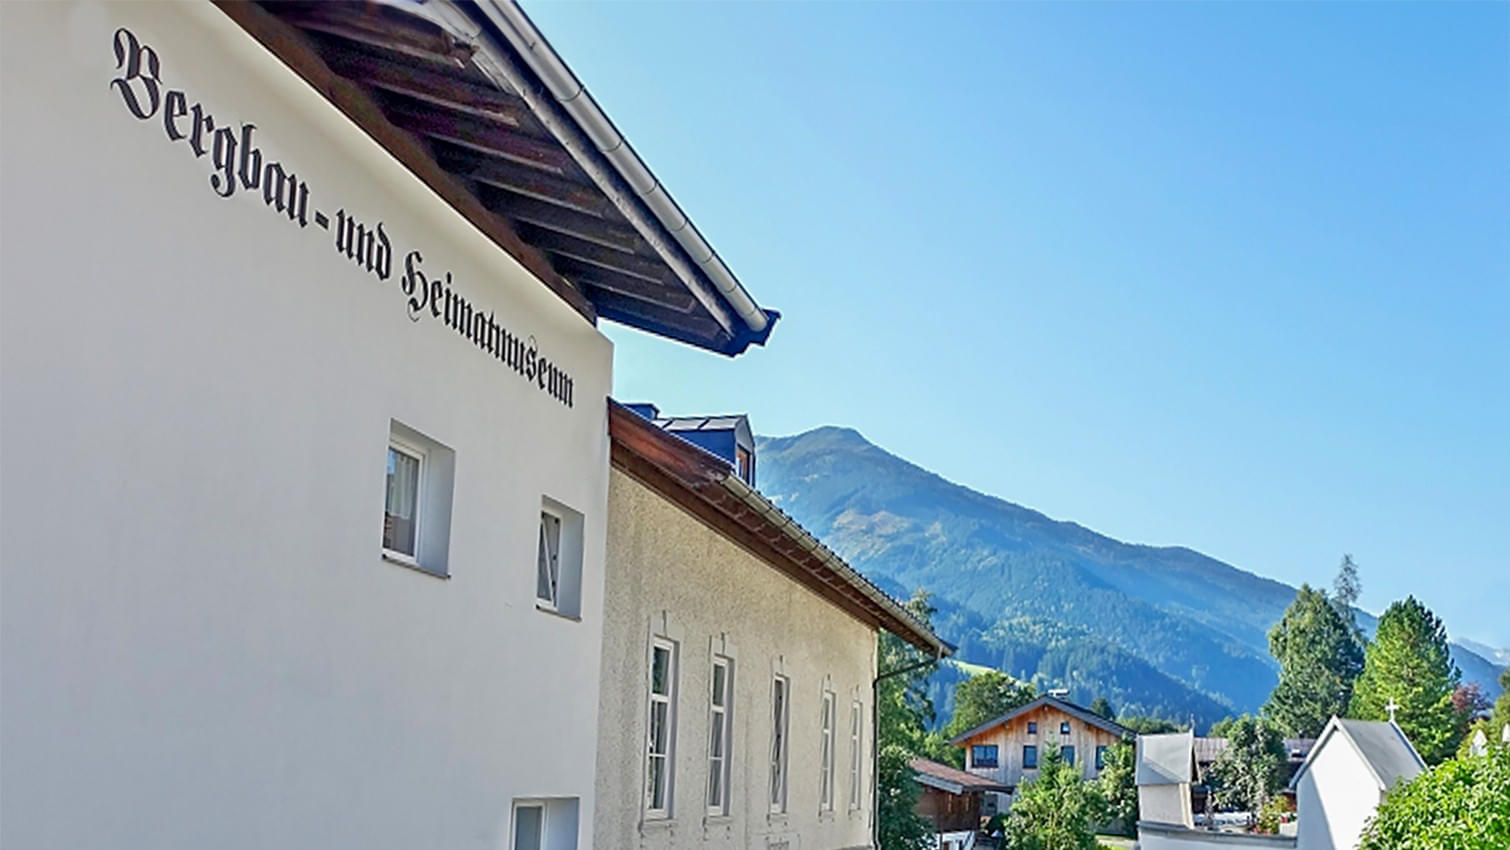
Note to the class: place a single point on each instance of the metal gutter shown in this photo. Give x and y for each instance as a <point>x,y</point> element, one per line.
<point>569,112</point>
<point>578,102</point>
<point>799,535</point>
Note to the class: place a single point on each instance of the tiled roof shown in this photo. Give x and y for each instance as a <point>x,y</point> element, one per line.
<point>953,780</point>
<point>1208,749</point>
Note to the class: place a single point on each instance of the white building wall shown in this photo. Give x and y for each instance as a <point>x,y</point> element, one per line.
<point>1335,798</point>
<point>201,645</point>
<point>1163,837</point>
<point>1165,804</point>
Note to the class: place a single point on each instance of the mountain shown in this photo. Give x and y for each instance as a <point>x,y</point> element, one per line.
<point>1157,630</point>
<point>1488,653</point>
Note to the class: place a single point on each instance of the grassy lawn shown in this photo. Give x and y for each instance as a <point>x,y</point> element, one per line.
<point>1121,842</point>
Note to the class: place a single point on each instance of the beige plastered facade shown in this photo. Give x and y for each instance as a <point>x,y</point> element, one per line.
<point>671,575</point>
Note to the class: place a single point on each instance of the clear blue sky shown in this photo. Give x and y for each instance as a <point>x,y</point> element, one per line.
<point>1231,276</point>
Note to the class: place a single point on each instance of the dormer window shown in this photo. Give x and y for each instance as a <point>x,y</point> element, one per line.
<point>729,437</point>
<point>744,465</point>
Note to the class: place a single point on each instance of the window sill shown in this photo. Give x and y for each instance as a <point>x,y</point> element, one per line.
<point>826,816</point>
<point>656,823</point>
<point>546,609</point>
<point>776,818</point>
<point>409,563</point>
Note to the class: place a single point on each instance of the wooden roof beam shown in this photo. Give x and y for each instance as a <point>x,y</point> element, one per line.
<point>687,327</point>
<point>604,235</point>
<point>440,89</point>
<point>367,24</point>
<point>482,135</point>
<point>525,181</point>
<point>585,250</point>
<point>672,301</point>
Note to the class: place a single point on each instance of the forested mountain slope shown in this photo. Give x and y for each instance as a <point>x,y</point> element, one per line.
<point>1162,630</point>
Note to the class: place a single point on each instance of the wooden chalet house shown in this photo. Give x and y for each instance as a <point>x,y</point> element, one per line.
<point>1007,749</point>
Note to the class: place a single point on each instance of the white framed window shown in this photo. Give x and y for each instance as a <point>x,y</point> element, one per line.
<point>558,559</point>
<point>856,725</point>
<point>402,500</point>
<point>528,825</point>
<point>720,734</point>
<point>548,561</point>
<point>541,823</point>
<point>826,754</point>
<point>417,500</point>
<point>661,728</point>
<point>781,711</point>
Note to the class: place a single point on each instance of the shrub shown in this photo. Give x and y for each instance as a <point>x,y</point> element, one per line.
<point>1461,804</point>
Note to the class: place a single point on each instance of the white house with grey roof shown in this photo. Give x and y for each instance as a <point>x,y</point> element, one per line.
<point>1342,782</point>
<point>1338,787</point>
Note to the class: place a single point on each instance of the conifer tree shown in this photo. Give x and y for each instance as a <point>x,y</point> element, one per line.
<point>1058,810</point>
<point>1346,588</point>
<point>1102,707</point>
<point>1408,662</point>
<point>1318,663</point>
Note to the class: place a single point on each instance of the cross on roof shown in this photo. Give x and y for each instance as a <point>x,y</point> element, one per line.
<point>1392,708</point>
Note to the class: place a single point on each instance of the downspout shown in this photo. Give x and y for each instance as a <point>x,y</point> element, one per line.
<point>875,740</point>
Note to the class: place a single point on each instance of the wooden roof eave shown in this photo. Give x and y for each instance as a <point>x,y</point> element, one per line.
<point>286,42</point>
<point>503,158</point>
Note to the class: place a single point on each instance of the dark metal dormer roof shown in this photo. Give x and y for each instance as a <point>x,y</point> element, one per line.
<point>729,437</point>
<point>736,422</point>
<point>471,97</point>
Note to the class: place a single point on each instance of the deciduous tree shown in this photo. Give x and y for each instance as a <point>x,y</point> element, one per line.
<point>985,697</point>
<point>1150,725</point>
<point>1462,804</point>
<point>1318,663</point>
<point>903,713</point>
<point>1253,766</point>
<point>1408,662</point>
<point>1501,715</point>
<point>899,826</point>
